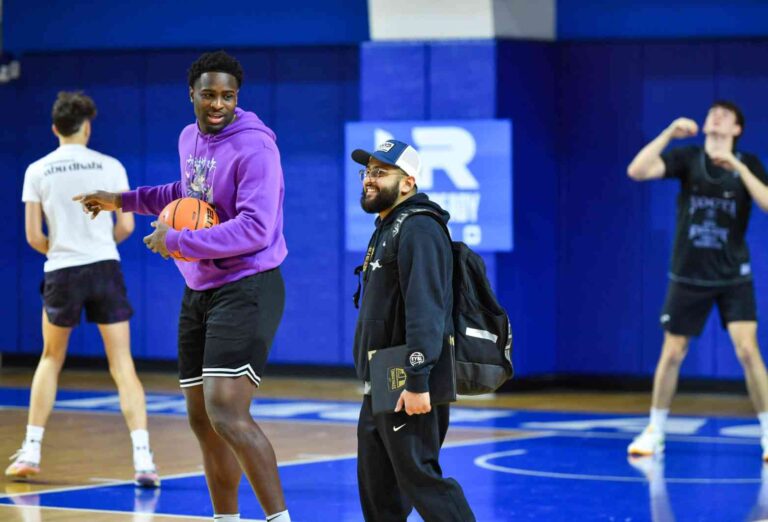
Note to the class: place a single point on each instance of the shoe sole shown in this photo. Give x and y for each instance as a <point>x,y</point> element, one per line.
<point>147,482</point>
<point>645,453</point>
<point>22,473</point>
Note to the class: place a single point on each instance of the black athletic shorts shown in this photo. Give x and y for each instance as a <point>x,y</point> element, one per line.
<point>97,287</point>
<point>687,307</point>
<point>228,331</point>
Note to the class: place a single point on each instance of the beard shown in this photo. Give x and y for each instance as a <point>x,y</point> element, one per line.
<point>383,200</point>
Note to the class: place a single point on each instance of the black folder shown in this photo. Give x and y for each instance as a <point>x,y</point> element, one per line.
<point>388,377</point>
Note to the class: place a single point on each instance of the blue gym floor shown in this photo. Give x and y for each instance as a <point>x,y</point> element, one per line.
<point>567,466</point>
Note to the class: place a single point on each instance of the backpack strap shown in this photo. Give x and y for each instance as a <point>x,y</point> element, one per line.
<point>392,244</point>
<point>405,214</point>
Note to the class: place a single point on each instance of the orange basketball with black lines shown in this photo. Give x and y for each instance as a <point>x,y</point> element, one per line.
<point>190,213</point>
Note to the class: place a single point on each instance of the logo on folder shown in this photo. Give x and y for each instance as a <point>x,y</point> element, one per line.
<point>395,378</point>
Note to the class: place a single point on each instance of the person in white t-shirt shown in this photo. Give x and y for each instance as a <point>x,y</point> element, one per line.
<point>82,271</point>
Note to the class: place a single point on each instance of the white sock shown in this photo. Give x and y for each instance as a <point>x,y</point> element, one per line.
<point>659,419</point>
<point>140,439</point>
<point>763,418</point>
<point>227,518</point>
<point>283,516</point>
<point>34,435</point>
<point>32,443</point>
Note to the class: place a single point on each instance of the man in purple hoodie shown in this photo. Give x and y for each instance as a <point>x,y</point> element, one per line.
<point>235,296</point>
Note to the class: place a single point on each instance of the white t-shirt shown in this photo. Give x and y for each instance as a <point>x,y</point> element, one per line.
<point>74,239</point>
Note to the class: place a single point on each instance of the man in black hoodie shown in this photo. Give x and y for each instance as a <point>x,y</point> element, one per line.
<point>407,299</point>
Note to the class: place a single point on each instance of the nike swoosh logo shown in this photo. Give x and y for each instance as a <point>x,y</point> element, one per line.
<point>398,428</point>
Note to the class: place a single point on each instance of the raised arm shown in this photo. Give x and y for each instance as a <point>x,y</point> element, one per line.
<point>647,164</point>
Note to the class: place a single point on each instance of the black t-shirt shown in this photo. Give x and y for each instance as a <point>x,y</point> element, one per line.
<point>713,210</point>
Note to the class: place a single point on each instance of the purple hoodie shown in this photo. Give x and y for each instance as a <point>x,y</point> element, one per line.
<point>238,171</point>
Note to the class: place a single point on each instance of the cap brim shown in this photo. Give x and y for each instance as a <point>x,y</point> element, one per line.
<point>361,156</point>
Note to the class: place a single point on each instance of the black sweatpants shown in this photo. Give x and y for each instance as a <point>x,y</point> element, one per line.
<point>398,468</point>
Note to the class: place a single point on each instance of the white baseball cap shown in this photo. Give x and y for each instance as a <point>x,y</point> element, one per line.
<point>392,152</point>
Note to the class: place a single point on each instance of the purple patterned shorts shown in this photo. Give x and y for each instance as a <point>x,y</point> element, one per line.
<point>97,287</point>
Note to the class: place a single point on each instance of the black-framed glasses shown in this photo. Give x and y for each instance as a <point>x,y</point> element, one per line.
<point>376,173</point>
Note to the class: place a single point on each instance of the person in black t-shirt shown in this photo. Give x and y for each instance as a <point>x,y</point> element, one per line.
<point>710,259</point>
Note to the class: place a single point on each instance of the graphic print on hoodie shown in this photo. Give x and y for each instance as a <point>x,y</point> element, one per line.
<point>198,172</point>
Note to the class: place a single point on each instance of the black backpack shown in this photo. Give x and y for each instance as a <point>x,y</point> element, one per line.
<point>483,333</point>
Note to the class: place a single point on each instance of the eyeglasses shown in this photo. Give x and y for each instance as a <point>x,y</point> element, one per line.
<point>376,173</point>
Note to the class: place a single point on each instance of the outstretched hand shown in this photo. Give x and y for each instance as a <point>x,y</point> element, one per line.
<point>156,240</point>
<point>95,202</point>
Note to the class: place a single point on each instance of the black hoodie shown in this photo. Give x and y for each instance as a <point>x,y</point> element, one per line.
<point>407,294</point>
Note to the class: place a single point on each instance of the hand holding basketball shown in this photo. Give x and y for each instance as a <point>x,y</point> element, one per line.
<point>189,213</point>
<point>95,202</point>
<point>156,240</point>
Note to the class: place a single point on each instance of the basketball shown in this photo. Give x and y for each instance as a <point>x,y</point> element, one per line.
<point>190,213</point>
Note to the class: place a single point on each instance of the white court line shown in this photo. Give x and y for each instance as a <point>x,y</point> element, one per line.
<point>483,462</point>
<point>511,429</point>
<point>110,511</point>
<point>283,420</point>
<point>288,463</point>
<point>678,438</point>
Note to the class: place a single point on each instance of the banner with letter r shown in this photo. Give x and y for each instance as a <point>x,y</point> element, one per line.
<point>466,167</point>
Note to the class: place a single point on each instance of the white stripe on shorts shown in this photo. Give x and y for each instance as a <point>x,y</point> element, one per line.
<point>236,372</point>
<point>192,381</point>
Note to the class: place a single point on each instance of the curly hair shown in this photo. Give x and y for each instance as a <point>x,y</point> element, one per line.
<point>70,110</point>
<point>217,61</point>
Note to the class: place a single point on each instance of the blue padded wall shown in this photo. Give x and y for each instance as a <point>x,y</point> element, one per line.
<point>310,111</point>
<point>527,282</point>
<point>600,317</point>
<point>11,235</point>
<point>597,19</point>
<point>60,25</point>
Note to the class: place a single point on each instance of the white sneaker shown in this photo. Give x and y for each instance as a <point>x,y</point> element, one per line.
<point>26,462</point>
<point>649,442</point>
<point>146,473</point>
